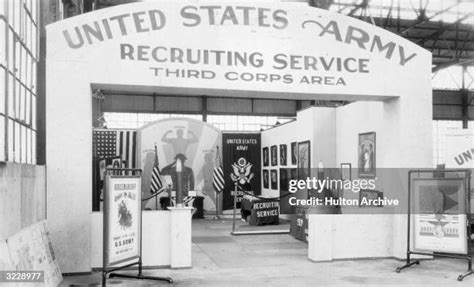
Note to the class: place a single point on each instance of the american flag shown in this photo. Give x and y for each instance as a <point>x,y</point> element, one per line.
<point>156,180</point>
<point>218,177</point>
<point>111,143</point>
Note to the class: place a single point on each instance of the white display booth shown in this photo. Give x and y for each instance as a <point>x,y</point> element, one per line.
<point>279,51</point>
<point>333,134</point>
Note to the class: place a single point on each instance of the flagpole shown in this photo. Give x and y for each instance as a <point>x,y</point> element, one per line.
<point>217,206</point>
<point>156,197</point>
<point>215,190</point>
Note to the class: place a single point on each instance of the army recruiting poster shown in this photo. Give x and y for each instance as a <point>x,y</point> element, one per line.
<point>440,219</point>
<point>122,221</point>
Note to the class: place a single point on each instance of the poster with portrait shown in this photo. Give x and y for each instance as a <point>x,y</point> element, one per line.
<point>283,154</point>
<point>274,179</point>
<point>439,217</point>
<point>367,155</point>
<point>304,160</point>
<point>274,155</point>
<point>294,153</point>
<point>265,156</point>
<point>122,218</point>
<point>266,178</point>
<point>116,162</point>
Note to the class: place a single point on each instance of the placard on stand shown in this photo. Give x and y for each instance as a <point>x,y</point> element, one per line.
<point>122,241</point>
<point>440,205</point>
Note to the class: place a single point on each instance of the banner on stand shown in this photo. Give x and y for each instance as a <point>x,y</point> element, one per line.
<point>241,164</point>
<point>122,219</point>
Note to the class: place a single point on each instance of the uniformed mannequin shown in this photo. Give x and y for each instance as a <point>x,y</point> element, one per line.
<point>187,174</point>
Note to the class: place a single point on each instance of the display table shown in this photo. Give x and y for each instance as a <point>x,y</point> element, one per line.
<point>261,211</point>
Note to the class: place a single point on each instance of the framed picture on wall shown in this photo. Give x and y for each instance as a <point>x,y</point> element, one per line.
<point>116,162</point>
<point>346,171</point>
<point>265,156</point>
<point>274,178</point>
<point>294,153</point>
<point>274,155</point>
<point>366,197</point>
<point>304,160</point>
<point>367,155</point>
<point>284,173</point>
<point>265,178</point>
<point>283,154</point>
<point>293,173</point>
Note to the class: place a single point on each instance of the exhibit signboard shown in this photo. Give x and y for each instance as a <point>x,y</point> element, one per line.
<point>439,215</point>
<point>122,219</point>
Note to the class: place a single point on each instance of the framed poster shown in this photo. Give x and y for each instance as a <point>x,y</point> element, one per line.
<point>265,156</point>
<point>283,154</point>
<point>274,178</point>
<point>439,217</point>
<point>284,179</point>
<point>304,160</point>
<point>367,155</point>
<point>117,162</point>
<point>122,219</point>
<point>293,173</point>
<point>294,153</point>
<point>365,195</point>
<point>274,155</point>
<point>346,171</point>
<point>265,178</point>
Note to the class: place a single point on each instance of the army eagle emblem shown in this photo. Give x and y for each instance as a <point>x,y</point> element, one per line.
<point>242,171</point>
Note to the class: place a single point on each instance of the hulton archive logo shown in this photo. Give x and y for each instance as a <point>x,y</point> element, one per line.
<point>242,171</point>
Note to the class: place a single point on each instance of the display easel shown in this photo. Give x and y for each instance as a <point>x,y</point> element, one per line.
<point>106,268</point>
<point>466,256</point>
<point>263,232</point>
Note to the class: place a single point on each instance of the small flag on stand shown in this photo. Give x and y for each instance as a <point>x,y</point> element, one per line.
<point>156,180</point>
<point>218,177</point>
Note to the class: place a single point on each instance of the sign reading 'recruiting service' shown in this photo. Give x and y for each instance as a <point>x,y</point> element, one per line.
<point>280,48</point>
<point>122,219</point>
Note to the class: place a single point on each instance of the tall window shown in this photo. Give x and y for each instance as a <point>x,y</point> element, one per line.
<point>19,34</point>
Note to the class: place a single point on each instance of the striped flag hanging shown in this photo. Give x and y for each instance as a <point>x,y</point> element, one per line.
<point>218,177</point>
<point>156,180</point>
<point>110,143</point>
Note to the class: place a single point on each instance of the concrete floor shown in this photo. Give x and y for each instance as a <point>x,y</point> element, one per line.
<point>220,259</point>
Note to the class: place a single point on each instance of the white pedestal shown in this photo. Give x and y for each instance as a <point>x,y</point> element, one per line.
<point>320,233</point>
<point>180,239</point>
